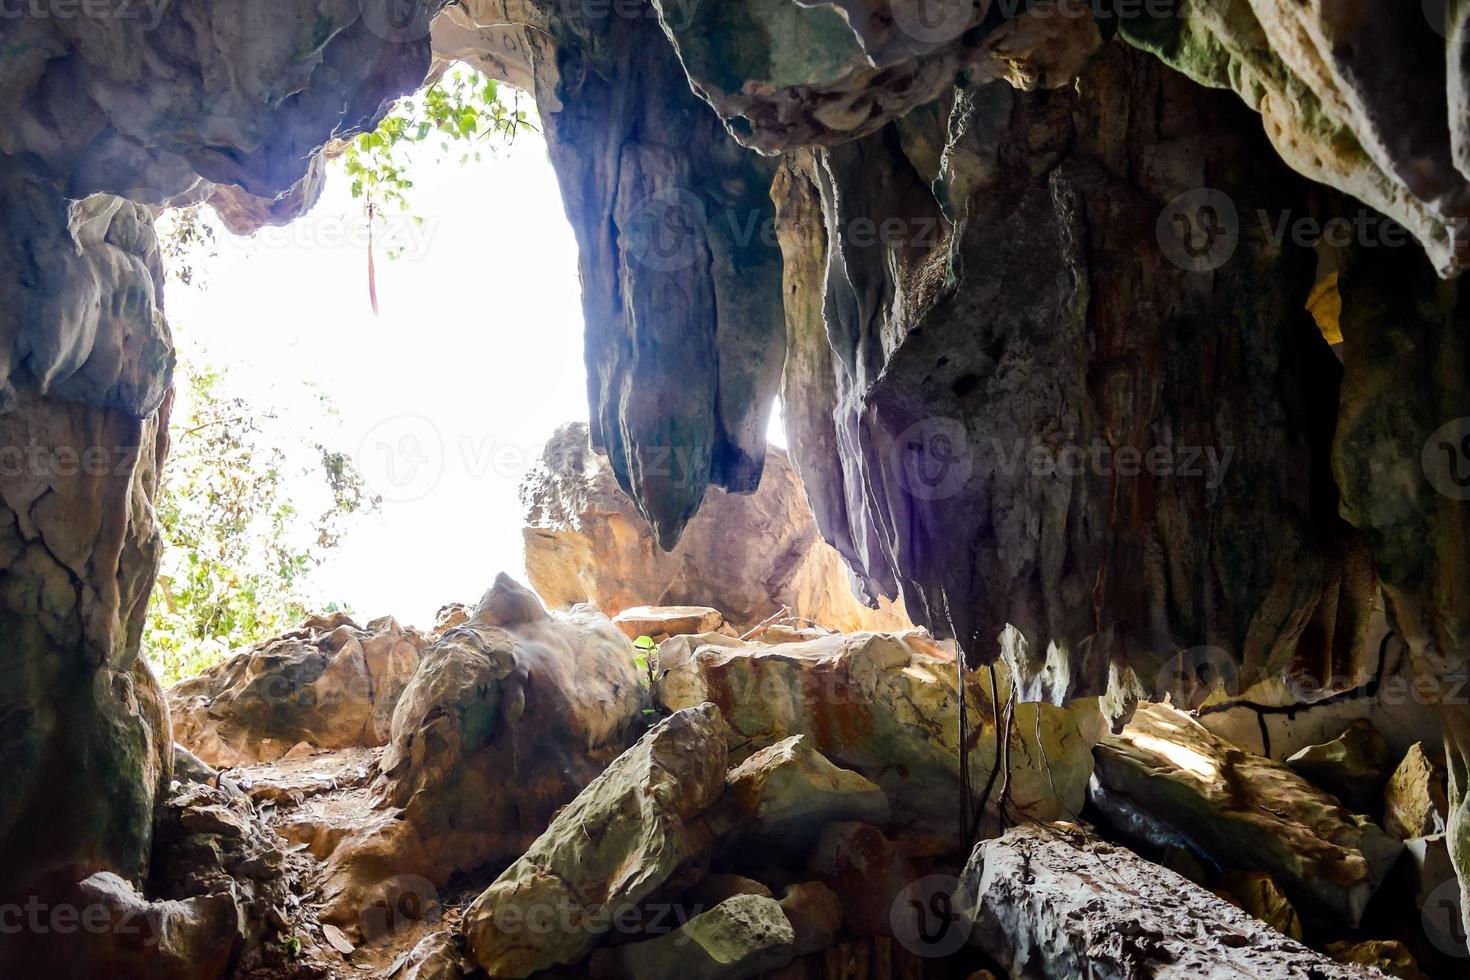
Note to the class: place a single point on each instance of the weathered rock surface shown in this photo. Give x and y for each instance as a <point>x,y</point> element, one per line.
<point>865,870</point>
<point>1388,956</point>
<point>330,684</point>
<point>741,937</point>
<point>884,706</point>
<point>1352,767</point>
<point>506,719</point>
<point>614,846</point>
<point>658,623</point>
<point>1414,801</point>
<point>746,555</point>
<point>789,789</point>
<point>1060,902</point>
<point>83,723</point>
<point>1168,780</point>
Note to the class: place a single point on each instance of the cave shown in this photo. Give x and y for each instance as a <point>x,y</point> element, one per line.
<point>1126,387</point>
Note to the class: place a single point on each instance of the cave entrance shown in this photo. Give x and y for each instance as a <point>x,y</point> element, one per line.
<point>367,460</point>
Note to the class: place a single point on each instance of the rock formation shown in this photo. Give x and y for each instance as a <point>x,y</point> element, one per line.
<point>1034,285</point>
<point>1168,780</point>
<point>744,555</point>
<point>329,685</point>
<point>885,706</point>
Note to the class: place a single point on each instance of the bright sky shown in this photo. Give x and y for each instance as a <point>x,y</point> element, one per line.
<point>445,399</point>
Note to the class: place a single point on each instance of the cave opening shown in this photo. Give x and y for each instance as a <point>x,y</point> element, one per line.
<point>1109,581</point>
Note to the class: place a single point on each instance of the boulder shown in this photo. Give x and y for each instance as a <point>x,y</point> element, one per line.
<point>746,555</point>
<point>1415,801</point>
<point>884,706</point>
<point>1352,766</point>
<point>329,684</point>
<point>506,719</point>
<point>790,789</point>
<point>815,914</point>
<point>661,622</point>
<point>742,937</point>
<point>1167,779</point>
<point>621,839</point>
<point>1256,894</point>
<point>865,870</point>
<point>1057,901</point>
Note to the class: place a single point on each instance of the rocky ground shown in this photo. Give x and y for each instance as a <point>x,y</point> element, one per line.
<point>780,806</point>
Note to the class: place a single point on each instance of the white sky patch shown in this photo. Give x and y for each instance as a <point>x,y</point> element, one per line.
<point>445,399</point>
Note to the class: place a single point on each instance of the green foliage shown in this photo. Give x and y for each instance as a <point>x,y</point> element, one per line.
<point>236,546</point>
<point>643,659</point>
<point>458,111</point>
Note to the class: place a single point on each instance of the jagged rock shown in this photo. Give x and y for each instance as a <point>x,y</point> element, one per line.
<point>1414,801</point>
<point>815,914</point>
<point>1056,901</point>
<point>330,684</point>
<point>790,789</point>
<point>188,767</point>
<point>1428,859</point>
<point>84,737</point>
<point>741,937</point>
<point>1169,780</point>
<point>661,622</point>
<point>612,847</point>
<point>746,555</point>
<point>1331,87</point>
<point>506,719</point>
<point>1256,894</point>
<point>883,706</point>
<point>110,930</point>
<point>866,872</point>
<point>435,957</point>
<point>1352,767</point>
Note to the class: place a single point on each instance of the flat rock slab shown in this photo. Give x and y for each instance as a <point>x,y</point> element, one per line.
<point>1058,902</point>
<point>1167,779</point>
<point>662,622</point>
